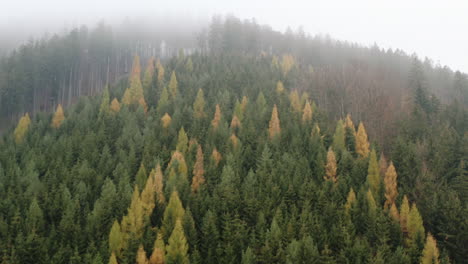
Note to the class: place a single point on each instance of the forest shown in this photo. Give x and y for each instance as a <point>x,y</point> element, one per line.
<point>239,144</point>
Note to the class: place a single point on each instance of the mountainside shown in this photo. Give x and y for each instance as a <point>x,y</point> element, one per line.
<point>258,147</point>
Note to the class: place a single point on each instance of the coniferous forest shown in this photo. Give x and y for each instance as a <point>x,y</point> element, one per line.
<point>254,147</point>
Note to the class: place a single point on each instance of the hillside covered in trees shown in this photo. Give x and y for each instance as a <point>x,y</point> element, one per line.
<point>252,147</point>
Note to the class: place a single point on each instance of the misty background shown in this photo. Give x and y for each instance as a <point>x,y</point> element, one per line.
<point>434,29</point>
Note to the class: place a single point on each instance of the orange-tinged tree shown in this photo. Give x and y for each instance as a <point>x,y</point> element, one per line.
<point>159,250</point>
<point>173,85</point>
<point>198,170</point>
<point>115,106</point>
<point>199,105</point>
<point>394,212</point>
<point>274,128</point>
<point>390,180</point>
<point>235,122</point>
<point>141,256</point>
<point>217,117</point>
<point>430,254</point>
<point>234,140</point>
<point>295,101</point>
<point>362,143</point>
<point>331,167</point>
<point>166,120</point>
<point>216,156</point>
<point>22,128</point>
<point>349,124</point>
<point>58,118</point>
<point>307,113</point>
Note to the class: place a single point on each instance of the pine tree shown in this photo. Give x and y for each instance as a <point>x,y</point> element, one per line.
<point>198,171</point>
<point>58,117</point>
<point>415,224</point>
<point>149,72</point>
<point>115,106</point>
<point>141,177</point>
<point>113,259</point>
<point>373,174</point>
<point>160,71</point>
<point>166,120</point>
<point>35,217</point>
<point>390,180</point>
<point>141,256</point>
<point>115,239</point>
<point>248,257</point>
<point>177,248</point>
<point>430,254</point>
<point>307,113</point>
<point>216,118</point>
<point>216,156</point>
<point>404,213</point>
<point>182,141</point>
<point>279,87</point>
<point>22,128</point>
<point>339,137</point>
<point>174,211</point>
<point>274,126</point>
<point>331,166</point>
<point>199,105</point>
<point>159,251</point>
<point>295,102</point>
<point>362,144</point>
<point>350,200</point>
<point>173,85</point>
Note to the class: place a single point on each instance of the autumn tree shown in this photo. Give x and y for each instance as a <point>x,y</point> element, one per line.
<point>58,117</point>
<point>390,180</point>
<point>160,69</point>
<point>216,156</point>
<point>158,183</point>
<point>287,63</point>
<point>116,239</point>
<point>404,213</point>
<point>279,87</point>
<point>22,128</point>
<point>394,212</point>
<point>174,211</point>
<point>182,141</point>
<point>274,126</point>
<point>132,223</point>
<point>349,124</point>
<point>149,72</point>
<point>113,259</point>
<point>173,85</point>
<point>159,251</point>
<point>115,106</point>
<point>177,248</point>
<point>216,118</point>
<point>235,123</point>
<point>141,256</point>
<point>198,170</point>
<point>295,101</point>
<point>415,224</point>
<point>166,120</point>
<point>199,105</point>
<point>350,200</point>
<point>331,167</point>
<point>307,113</point>
<point>373,174</point>
<point>362,143</point>
<point>430,254</point>
<point>134,94</point>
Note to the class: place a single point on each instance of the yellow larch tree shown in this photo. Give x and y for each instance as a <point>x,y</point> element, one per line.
<point>178,157</point>
<point>371,201</point>
<point>235,122</point>
<point>58,118</point>
<point>394,212</point>
<point>430,254</point>
<point>362,143</point>
<point>307,113</point>
<point>159,185</point>
<point>234,140</point>
<point>373,174</point>
<point>349,124</point>
<point>198,170</point>
<point>132,223</point>
<point>160,69</point>
<point>116,239</point>
<point>134,94</point>
<point>331,167</point>
<point>148,195</point>
<point>149,72</point>
<point>350,200</point>
<point>22,128</point>
<point>173,212</point>
<point>113,259</point>
<point>141,256</point>
<point>199,105</point>
<point>216,156</point>
<point>287,63</point>
<point>390,180</point>
<point>216,118</point>
<point>177,248</point>
<point>159,250</point>
<point>295,101</point>
<point>182,141</point>
<point>274,128</point>
<point>415,224</point>
<point>115,106</point>
<point>279,87</point>
<point>166,120</point>
<point>173,85</point>
<point>404,213</point>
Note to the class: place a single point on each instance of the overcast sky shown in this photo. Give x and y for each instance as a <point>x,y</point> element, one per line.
<point>436,29</point>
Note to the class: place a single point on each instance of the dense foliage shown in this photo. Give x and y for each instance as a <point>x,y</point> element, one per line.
<point>231,161</point>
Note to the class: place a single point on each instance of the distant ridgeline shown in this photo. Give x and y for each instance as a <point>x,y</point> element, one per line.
<point>229,158</point>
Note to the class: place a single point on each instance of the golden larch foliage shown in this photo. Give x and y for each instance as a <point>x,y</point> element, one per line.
<point>373,174</point>
<point>430,254</point>
<point>189,65</point>
<point>404,213</point>
<point>158,183</point>
<point>115,106</point>
<point>143,104</point>
<point>275,62</point>
<point>274,128</point>
<point>295,101</point>
<point>116,238</point>
<point>390,180</point>
<point>149,72</point>
<point>160,71</point>
<point>279,87</point>
<point>362,143</point>
<point>141,256</point>
<point>216,156</point>
<point>113,259</point>
<point>371,201</point>
<point>148,194</point>
<point>177,248</point>
<point>198,170</point>
<point>235,122</point>
<point>234,140</point>
<point>330,168</point>
<point>307,113</point>
<point>132,223</point>
<point>350,200</point>
<point>383,165</point>
<point>394,213</point>
<point>199,105</point>
<point>166,120</point>
<point>159,250</point>
<point>304,98</point>
<point>133,95</point>
<point>179,158</point>
<point>58,117</point>
<point>287,63</point>
<point>173,212</point>
<point>22,128</point>
<point>173,85</point>
<point>415,223</point>
<point>217,117</point>
<point>349,124</point>
<point>136,68</point>
<point>182,141</point>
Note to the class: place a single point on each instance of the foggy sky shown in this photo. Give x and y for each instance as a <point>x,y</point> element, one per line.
<point>436,29</point>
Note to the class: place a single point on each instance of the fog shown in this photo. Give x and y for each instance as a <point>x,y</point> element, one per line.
<point>434,29</point>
